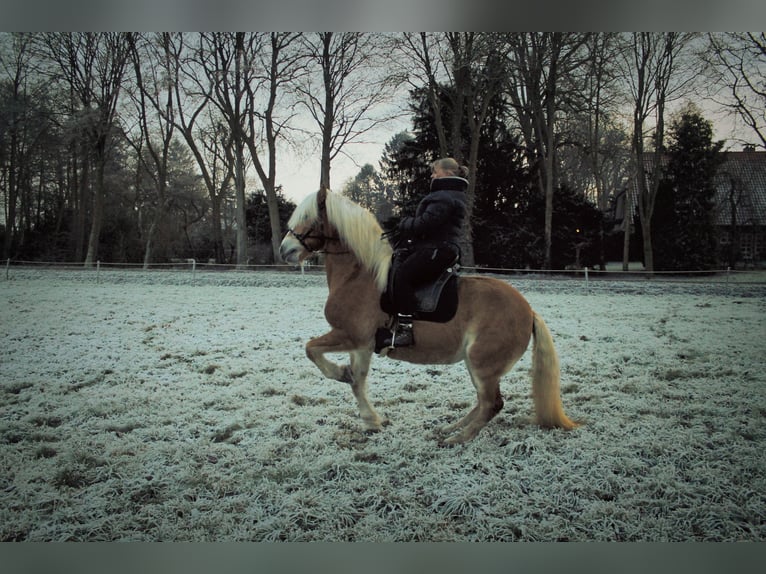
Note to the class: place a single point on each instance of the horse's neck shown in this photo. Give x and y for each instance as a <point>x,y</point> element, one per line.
<point>344,269</point>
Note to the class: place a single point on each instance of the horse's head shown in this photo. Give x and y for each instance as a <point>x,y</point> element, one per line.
<point>335,225</point>
<point>307,230</point>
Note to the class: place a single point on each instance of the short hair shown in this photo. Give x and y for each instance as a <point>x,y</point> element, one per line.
<point>451,166</point>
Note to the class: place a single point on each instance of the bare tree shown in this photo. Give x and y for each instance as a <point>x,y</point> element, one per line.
<point>423,65</point>
<point>15,66</point>
<point>213,149</point>
<point>656,73</point>
<point>93,65</point>
<point>345,91</point>
<point>596,150</point>
<point>276,67</point>
<point>192,89</point>
<point>225,60</point>
<point>152,93</point>
<point>737,61</point>
<point>540,63</point>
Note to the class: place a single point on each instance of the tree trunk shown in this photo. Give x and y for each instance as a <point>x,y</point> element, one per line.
<point>98,212</point>
<point>547,264</point>
<point>215,222</point>
<point>627,223</point>
<point>78,226</point>
<point>241,219</point>
<point>12,199</point>
<point>149,243</point>
<point>646,228</point>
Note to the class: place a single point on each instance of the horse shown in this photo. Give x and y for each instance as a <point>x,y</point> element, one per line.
<point>489,332</point>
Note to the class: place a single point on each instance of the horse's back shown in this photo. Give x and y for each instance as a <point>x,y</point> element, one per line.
<point>489,294</point>
<point>493,318</point>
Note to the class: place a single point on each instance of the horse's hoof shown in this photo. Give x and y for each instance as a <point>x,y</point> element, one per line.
<point>460,438</point>
<point>372,426</point>
<point>448,442</point>
<point>445,430</point>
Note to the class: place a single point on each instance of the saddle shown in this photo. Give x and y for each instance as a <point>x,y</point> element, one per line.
<point>435,300</point>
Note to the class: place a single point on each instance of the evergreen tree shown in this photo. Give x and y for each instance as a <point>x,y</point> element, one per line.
<point>684,223</point>
<point>259,224</point>
<point>368,189</point>
<point>509,211</point>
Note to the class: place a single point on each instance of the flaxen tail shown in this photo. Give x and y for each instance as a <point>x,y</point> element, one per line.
<point>545,379</point>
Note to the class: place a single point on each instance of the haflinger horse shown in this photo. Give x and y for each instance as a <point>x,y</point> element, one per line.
<point>489,332</point>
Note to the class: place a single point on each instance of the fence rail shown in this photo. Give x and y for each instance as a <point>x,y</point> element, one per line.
<point>585,274</point>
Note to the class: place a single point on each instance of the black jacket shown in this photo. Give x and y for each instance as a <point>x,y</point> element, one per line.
<point>440,214</point>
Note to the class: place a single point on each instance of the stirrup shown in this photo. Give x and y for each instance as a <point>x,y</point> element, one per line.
<point>402,336</point>
<point>397,336</point>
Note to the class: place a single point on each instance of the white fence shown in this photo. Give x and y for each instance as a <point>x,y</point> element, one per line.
<point>586,274</point>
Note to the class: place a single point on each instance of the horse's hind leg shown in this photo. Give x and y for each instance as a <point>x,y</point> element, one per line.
<point>489,402</point>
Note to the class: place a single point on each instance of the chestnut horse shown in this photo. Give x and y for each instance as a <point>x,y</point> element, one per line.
<point>490,331</point>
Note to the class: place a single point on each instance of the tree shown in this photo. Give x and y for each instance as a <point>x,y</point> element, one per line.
<point>278,65</point>
<point>656,73</point>
<point>345,90</point>
<point>685,226</point>
<point>460,74</point>
<point>202,128</point>
<point>152,97</point>
<point>227,61</point>
<point>540,64</point>
<point>597,156</point>
<point>93,65</point>
<point>259,226</point>
<point>737,62</point>
<point>366,188</point>
<point>184,202</point>
<point>23,123</point>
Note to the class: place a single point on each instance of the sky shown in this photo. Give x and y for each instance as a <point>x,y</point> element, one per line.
<point>298,173</point>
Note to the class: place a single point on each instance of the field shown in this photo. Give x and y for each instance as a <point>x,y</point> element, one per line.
<point>161,407</point>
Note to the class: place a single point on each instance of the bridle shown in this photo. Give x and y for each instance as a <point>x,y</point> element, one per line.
<point>309,234</point>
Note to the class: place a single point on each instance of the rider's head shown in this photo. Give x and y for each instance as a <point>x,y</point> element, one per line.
<point>448,167</point>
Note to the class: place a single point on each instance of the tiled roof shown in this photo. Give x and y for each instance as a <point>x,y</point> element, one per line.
<point>744,174</point>
<point>746,170</point>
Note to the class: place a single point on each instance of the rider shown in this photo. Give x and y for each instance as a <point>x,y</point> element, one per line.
<point>428,243</point>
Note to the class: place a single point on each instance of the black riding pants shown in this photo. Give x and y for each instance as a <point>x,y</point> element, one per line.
<point>420,266</point>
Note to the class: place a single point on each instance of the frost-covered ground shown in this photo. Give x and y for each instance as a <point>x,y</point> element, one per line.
<point>145,407</point>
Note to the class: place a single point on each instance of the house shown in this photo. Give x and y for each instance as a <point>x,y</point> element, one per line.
<point>740,206</point>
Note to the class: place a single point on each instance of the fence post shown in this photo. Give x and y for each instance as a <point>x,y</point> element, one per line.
<point>98,272</point>
<point>586,276</point>
<point>194,270</point>
<point>7,268</point>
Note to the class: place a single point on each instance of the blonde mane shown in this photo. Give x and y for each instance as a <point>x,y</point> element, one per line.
<point>358,230</point>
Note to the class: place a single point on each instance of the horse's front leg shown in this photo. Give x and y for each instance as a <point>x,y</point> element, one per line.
<point>354,373</point>
<point>333,342</point>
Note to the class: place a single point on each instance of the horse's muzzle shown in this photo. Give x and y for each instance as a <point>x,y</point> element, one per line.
<point>289,250</point>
